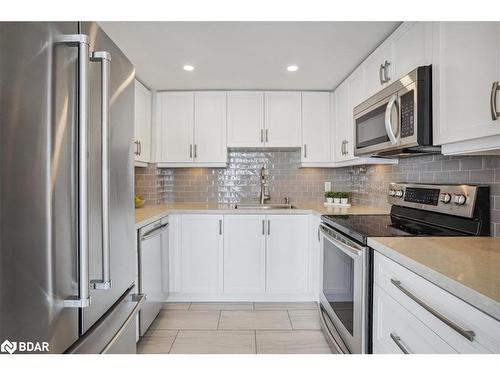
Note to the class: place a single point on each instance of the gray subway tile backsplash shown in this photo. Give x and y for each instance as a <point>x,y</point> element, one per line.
<point>239,182</point>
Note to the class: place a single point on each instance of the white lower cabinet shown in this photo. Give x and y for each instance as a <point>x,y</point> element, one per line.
<point>241,257</point>
<point>202,253</point>
<point>244,254</point>
<point>287,253</point>
<point>423,306</point>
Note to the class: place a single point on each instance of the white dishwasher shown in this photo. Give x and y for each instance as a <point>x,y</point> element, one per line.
<point>153,270</point>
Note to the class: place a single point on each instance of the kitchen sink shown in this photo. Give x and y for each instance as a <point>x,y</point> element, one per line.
<point>258,206</point>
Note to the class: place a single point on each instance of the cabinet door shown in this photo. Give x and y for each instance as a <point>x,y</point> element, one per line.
<point>142,124</point>
<point>412,47</point>
<point>176,126</point>
<point>245,119</point>
<point>244,254</point>
<point>375,77</point>
<point>202,253</point>
<point>210,127</point>
<point>467,64</point>
<point>341,98</point>
<point>282,119</point>
<point>356,88</point>
<point>396,330</point>
<point>287,254</point>
<point>316,137</point>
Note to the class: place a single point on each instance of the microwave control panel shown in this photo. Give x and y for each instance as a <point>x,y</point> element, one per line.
<point>407,104</point>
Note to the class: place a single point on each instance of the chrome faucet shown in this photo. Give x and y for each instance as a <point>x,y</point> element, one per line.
<point>264,187</point>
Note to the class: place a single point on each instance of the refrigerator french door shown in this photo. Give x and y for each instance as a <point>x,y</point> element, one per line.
<point>67,257</point>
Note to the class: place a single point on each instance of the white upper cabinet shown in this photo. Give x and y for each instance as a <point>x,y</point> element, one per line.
<point>316,129</point>
<point>467,65</point>
<point>192,127</point>
<point>282,119</point>
<point>142,124</point>
<point>378,69</point>
<point>412,47</point>
<point>245,119</point>
<point>175,117</point>
<point>341,121</point>
<point>210,127</point>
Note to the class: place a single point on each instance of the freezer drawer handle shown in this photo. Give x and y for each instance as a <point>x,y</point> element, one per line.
<point>105,59</point>
<point>82,42</point>
<point>139,298</point>
<point>469,335</point>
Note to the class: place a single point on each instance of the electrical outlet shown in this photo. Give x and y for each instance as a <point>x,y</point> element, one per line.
<point>328,186</point>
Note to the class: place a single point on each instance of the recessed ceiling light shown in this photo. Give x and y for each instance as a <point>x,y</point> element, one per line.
<point>292,68</point>
<point>188,68</point>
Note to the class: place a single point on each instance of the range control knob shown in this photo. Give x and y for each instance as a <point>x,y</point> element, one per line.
<point>460,199</point>
<point>392,192</point>
<point>445,198</point>
<point>399,193</point>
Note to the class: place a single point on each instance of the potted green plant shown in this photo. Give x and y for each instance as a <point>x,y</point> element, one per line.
<point>336,198</point>
<point>344,197</point>
<point>329,195</point>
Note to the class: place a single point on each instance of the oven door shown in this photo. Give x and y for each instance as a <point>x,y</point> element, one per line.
<point>344,291</point>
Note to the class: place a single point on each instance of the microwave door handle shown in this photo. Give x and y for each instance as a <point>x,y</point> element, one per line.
<point>388,123</point>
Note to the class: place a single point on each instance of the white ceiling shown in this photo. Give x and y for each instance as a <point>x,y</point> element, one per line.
<point>246,55</point>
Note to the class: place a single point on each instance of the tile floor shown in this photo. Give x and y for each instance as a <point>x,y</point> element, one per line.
<point>235,328</point>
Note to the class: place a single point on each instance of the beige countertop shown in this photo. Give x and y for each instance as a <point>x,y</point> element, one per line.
<point>148,214</point>
<point>468,267</point>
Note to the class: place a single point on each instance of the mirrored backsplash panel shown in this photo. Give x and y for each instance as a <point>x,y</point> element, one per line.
<point>239,182</point>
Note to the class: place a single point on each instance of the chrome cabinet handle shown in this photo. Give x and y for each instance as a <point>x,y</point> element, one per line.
<point>346,151</point>
<point>386,76</point>
<point>268,227</point>
<point>220,227</point>
<point>469,335</point>
<point>261,135</point>
<point>381,74</point>
<point>105,59</point>
<point>267,136</point>
<point>190,151</point>
<point>388,123</point>
<point>136,152</point>
<point>399,343</point>
<point>305,150</point>
<point>140,148</point>
<point>342,148</point>
<point>493,101</point>
<point>195,150</point>
<point>82,42</point>
<point>263,227</point>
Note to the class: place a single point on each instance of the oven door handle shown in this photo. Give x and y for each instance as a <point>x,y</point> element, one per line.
<point>388,123</point>
<point>348,250</point>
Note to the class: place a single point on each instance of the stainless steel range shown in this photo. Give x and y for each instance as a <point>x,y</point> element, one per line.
<point>346,272</point>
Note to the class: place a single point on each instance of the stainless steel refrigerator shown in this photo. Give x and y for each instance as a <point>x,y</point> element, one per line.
<point>67,233</point>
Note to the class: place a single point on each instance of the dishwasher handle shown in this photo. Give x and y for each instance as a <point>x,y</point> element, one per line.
<point>154,232</point>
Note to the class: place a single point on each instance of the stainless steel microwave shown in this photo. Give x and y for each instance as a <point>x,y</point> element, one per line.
<point>397,121</point>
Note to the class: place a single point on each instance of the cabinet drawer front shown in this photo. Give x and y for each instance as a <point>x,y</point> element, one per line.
<point>453,311</point>
<point>397,331</point>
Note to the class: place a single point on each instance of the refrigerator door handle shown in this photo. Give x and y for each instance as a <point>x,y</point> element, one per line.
<point>82,42</point>
<point>105,59</point>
